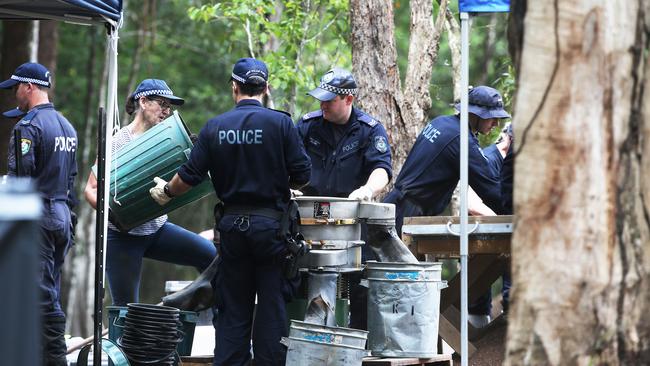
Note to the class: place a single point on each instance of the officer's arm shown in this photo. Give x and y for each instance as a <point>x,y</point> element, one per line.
<point>482,179</point>
<point>297,160</point>
<point>30,136</point>
<point>90,192</point>
<point>377,180</point>
<point>177,186</point>
<point>475,205</point>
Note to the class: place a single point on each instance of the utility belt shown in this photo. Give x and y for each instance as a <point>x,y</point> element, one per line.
<point>251,211</point>
<point>295,244</point>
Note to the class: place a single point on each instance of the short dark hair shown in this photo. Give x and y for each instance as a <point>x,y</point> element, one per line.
<point>252,89</point>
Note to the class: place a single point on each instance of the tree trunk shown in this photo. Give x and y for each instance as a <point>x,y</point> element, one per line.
<point>374,62</point>
<point>580,266</point>
<point>16,37</point>
<point>48,47</point>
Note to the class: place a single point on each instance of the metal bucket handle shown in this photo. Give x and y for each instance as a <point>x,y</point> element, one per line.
<point>452,232</point>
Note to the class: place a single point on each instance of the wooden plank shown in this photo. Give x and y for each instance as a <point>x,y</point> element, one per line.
<point>450,247</point>
<point>443,220</point>
<point>450,332</point>
<point>480,266</point>
<point>408,361</point>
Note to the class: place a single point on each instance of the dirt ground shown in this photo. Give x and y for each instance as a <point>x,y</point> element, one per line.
<point>490,347</point>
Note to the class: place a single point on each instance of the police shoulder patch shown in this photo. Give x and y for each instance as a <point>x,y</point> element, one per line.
<point>367,120</point>
<point>381,144</point>
<point>25,145</point>
<point>313,114</point>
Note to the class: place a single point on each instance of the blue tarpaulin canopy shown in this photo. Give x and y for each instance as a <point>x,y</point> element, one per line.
<point>77,11</point>
<point>484,6</point>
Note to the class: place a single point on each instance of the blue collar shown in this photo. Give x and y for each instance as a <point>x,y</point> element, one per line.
<point>244,102</point>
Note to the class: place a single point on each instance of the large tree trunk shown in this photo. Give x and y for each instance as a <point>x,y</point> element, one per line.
<point>16,37</point>
<point>580,266</point>
<point>374,62</point>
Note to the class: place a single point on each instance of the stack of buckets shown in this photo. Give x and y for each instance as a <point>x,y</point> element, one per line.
<point>152,334</point>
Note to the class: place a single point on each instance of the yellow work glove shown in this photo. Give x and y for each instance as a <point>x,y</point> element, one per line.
<point>158,192</point>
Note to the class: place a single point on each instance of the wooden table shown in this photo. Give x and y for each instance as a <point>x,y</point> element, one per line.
<point>489,249</point>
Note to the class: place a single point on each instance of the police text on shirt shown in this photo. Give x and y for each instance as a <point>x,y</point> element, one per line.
<point>431,133</point>
<point>62,143</point>
<point>240,137</point>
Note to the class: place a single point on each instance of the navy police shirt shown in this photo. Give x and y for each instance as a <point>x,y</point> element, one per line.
<point>432,169</point>
<point>494,158</point>
<point>47,152</point>
<point>253,154</point>
<point>343,157</point>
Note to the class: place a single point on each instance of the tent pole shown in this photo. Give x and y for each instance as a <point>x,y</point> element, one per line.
<point>464,126</point>
<point>99,238</point>
<point>103,191</point>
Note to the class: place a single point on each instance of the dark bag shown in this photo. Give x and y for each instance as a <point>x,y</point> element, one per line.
<point>296,246</point>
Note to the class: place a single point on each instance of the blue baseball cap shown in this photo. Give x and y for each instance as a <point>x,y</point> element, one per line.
<point>335,82</point>
<point>485,102</point>
<point>250,71</point>
<point>14,113</point>
<point>29,72</point>
<point>149,87</point>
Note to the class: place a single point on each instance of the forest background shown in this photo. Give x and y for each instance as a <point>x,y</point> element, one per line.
<point>193,45</point>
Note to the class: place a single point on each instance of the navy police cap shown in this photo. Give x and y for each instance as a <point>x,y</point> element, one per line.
<point>29,72</point>
<point>250,71</point>
<point>14,113</point>
<point>335,82</point>
<point>485,102</point>
<point>149,87</point>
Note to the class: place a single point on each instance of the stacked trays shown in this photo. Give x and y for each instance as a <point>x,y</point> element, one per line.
<point>151,333</point>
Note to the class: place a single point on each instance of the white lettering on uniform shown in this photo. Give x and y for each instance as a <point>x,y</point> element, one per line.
<point>67,144</point>
<point>240,137</point>
<point>431,133</point>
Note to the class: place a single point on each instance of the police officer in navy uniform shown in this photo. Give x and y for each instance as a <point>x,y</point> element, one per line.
<point>350,158</point>
<point>431,171</point>
<point>349,149</point>
<point>47,154</point>
<point>254,156</point>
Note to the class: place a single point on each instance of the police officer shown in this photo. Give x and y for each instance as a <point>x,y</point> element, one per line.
<point>350,158</point>
<point>349,149</point>
<point>48,145</point>
<point>431,171</point>
<point>254,157</point>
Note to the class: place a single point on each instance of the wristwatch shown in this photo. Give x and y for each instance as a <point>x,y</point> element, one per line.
<point>167,192</point>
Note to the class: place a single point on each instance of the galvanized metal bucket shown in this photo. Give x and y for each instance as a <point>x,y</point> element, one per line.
<point>311,344</point>
<point>159,152</point>
<point>404,308</point>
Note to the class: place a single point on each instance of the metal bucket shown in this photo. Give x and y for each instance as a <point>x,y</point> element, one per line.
<point>403,308</point>
<point>159,152</point>
<point>311,344</point>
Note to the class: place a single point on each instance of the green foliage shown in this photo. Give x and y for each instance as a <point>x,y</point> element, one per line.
<point>298,40</point>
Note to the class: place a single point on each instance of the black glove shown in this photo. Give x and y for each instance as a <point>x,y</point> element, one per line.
<point>194,138</point>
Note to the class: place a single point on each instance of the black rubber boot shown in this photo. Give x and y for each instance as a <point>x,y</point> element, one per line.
<point>54,348</point>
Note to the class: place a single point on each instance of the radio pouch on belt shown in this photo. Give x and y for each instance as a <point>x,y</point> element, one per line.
<point>295,242</point>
